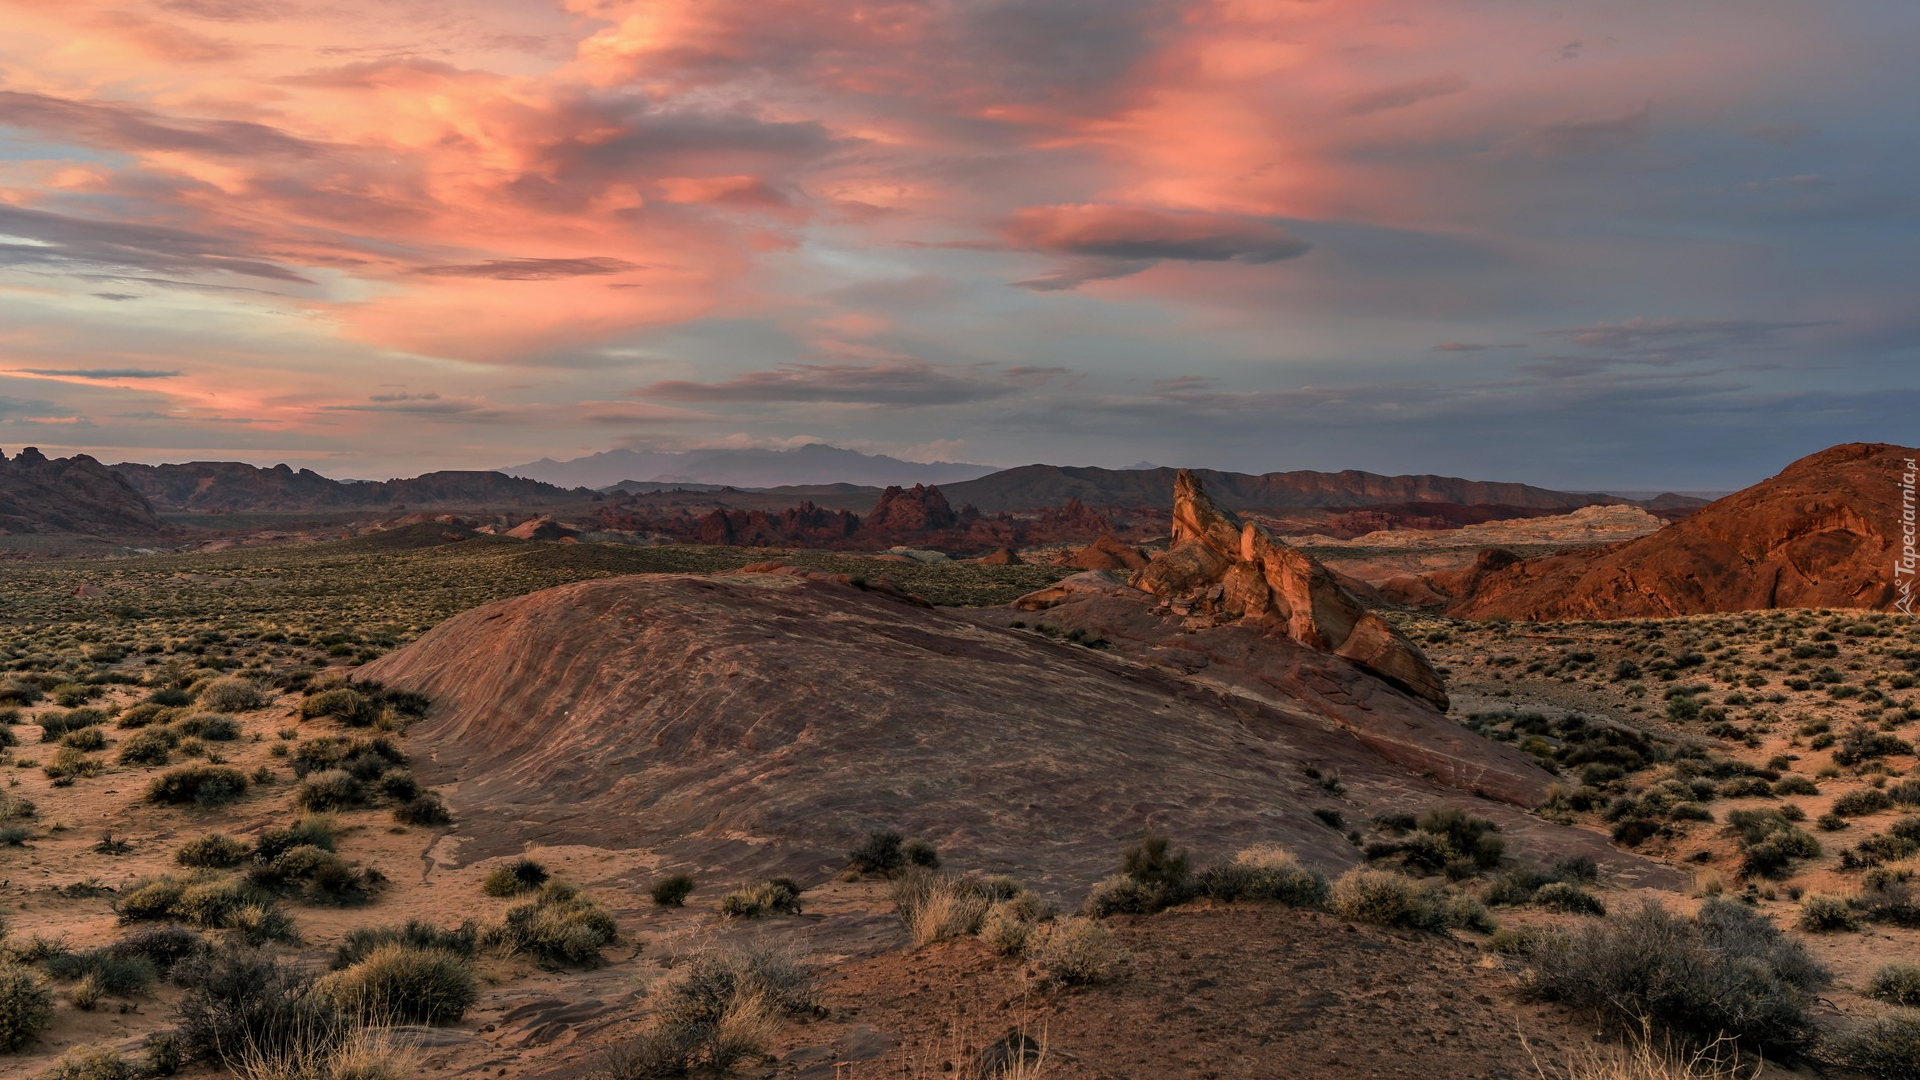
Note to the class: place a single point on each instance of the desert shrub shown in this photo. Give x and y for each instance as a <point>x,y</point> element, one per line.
<point>563,925</point>
<point>111,972</point>
<point>143,714</point>
<point>212,850</point>
<point>54,725</point>
<point>423,809</point>
<point>366,759</point>
<point>165,947</point>
<point>26,1004</point>
<point>398,785</point>
<point>1885,1047</point>
<point>934,906</point>
<point>15,807</point>
<point>1009,924</point>
<point>86,738</point>
<point>1826,914</point>
<point>329,789</point>
<point>234,694</point>
<point>519,876</point>
<point>1795,785</point>
<point>1075,951</point>
<point>1746,787</point>
<point>319,876</point>
<point>1388,899</point>
<point>211,727</point>
<point>315,830</point>
<point>1862,743</point>
<point>722,1008</point>
<point>398,983</point>
<point>880,853</point>
<point>1265,873</point>
<point>92,1063</point>
<point>343,703</point>
<point>921,853</point>
<point>70,763</point>
<point>1889,898</point>
<point>207,900</point>
<point>243,1005</point>
<point>205,785</point>
<point>774,896</point>
<point>19,692</point>
<point>1770,841</point>
<point>1154,862</point>
<point>672,890</point>
<point>1896,984</point>
<point>361,941</point>
<point>1727,970</point>
<point>149,746</point>
<point>1906,792</point>
<point>1861,802</point>
<point>1568,897</point>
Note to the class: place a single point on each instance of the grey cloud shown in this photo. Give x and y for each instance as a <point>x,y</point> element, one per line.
<point>70,244</point>
<point>117,296</point>
<point>1470,347</point>
<point>1403,95</point>
<point>1810,184</point>
<point>116,126</point>
<point>1104,241</point>
<point>531,269</point>
<point>1658,341</point>
<point>100,373</point>
<point>13,407</point>
<point>234,11</point>
<point>1596,136</point>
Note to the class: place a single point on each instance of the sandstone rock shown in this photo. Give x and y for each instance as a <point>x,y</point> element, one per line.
<point>1229,570</point>
<point>1002,557</point>
<point>1822,533</point>
<point>1106,553</point>
<point>541,528</point>
<point>765,721</point>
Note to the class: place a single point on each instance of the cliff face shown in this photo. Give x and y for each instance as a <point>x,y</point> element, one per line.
<point>78,495</point>
<point>1825,532</point>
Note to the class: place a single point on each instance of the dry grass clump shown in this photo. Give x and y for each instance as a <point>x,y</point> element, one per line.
<point>1896,984</point>
<point>209,900</point>
<point>522,875</point>
<point>149,746</point>
<point>212,851</point>
<point>234,694</point>
<point>672,890</point>
<point>92,1063</point>
<point>26,1004</point>
<point>774,896</point>
<point>724,1008</point>
<point>1643,1059</point>
<point>396,983</point>
<point>1265,872</point>
<point>1826,914</point>
<point>887,852</point>
<point>1075,950</point>
<point>1728,970</point>
<point>563,926</point>
<point>203,785</point>
<point>935,907</point>
<point>361,941</point>
<point>70,763</point>
<point>1886,1047</point>
<point>248,1010</point>
<point>1389,899</point>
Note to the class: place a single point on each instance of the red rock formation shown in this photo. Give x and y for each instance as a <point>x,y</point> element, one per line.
<point>1225,570</point>
<point>1823,533</point>
<point>1106,553</point>
<point>902,513</point>
<point>1002,557</point>
<point>541,528</point>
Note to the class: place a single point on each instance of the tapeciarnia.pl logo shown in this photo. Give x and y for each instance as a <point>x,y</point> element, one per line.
<point>1903,564</point>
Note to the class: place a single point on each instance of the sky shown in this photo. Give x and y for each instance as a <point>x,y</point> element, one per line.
<point>1582,243</point>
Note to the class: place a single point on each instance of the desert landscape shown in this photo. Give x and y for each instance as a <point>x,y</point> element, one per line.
<point>959,540</point>
<point>453,796</point>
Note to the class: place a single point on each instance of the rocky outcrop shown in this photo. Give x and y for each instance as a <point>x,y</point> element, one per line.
<point>75,495</point>
<point>767,720</point>
<point>908,512</point>
<point>1106,553</point>
<point>542,528</point>
<point>1825,532</point>
<point>1221,569</point>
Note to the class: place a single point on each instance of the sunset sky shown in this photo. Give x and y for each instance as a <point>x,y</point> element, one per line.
<point>1627,243</point>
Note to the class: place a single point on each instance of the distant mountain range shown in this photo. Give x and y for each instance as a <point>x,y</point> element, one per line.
<point>75,495</point>
<point>236,487</point>
<point>814,463</point>
<point>1052,485</point>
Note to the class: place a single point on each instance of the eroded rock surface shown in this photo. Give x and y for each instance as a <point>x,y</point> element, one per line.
<point>1222,569</point>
